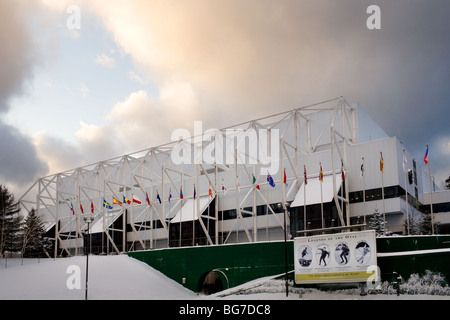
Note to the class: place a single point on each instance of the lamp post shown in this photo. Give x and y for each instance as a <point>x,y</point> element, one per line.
<point>88,221</point>
<point>285,246</point>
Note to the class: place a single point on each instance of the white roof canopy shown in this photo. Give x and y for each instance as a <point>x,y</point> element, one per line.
<point>313,191</point>
<point>188,211</point>
<point>110,217</point>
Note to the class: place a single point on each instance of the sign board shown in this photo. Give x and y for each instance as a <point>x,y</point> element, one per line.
<point>339,257</point>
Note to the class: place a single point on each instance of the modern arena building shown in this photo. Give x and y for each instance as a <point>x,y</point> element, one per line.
<point>327,165</point>
<point>229,206</point>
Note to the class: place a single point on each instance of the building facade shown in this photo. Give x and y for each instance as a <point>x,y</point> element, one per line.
<point>313,167</point>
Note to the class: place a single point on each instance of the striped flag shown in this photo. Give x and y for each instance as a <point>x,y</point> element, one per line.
<point>381,162</point>
<point>255,184</point>
<point>136,200</point>
<point>425,158</point>
<point>115,201</point>
<point>147,199</point>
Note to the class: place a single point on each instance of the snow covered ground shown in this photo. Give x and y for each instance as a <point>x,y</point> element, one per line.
<point>122,277</point>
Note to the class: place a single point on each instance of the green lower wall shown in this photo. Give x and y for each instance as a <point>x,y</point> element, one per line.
<point>239,262</point>
<point>244,262</point>
<point>406,265</point>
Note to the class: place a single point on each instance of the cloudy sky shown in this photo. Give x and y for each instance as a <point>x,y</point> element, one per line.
<point>83,81</point>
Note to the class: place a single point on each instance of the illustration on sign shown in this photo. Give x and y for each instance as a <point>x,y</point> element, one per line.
<point>340,257</point>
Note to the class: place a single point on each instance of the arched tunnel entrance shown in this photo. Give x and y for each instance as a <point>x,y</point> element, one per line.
<point>210,282</point>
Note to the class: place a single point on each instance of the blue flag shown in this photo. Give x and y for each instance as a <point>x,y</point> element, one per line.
<point>106,204</point>
<point>270,179</point>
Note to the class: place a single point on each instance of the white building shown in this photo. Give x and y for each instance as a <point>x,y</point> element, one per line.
<point>229,206</point>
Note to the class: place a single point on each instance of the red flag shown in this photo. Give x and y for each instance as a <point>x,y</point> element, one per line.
<point>81,207</point>
<point>92,207</point>
<point>284,177</point>
<point>136,199</point>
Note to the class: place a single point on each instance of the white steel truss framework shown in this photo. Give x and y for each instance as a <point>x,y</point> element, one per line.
<point>148,184</point>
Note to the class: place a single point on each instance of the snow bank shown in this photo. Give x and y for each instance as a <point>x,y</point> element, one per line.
<point>110,277</point>
<point>122,277</point>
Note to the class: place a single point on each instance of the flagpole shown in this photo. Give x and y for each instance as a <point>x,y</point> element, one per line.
<point>321,193</point>
<point>406,191</point>
<point>431,195</point>
<point>304,198</point>
<point>364,189</point>
<point>382,191</point>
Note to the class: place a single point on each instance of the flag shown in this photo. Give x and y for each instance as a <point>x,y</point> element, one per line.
<point>304,174</point>
<point>284,178</point>
<point>381,162</point>
<point>224,189</point>
<point>342,171</point>
<point>136,200</point>
<point>147,199</point>
<point>270,179</point>
<point>255,184</point>
<point>170,195</point>
<point>115,201</point>
<point>81,208</point>
<point>126,200</point>
<point>106,204</point>
<point>425,158</point>
<point>210,191</point>
<point>71,208</point>
<point>321,173</point>
<point>181,193</point>
<point>362,166</point>
<point>157,196</point>
<point>195,193</point>
<point>92,207</point>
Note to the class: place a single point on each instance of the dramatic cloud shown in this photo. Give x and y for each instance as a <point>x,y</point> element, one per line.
<point>228,61</point>
<point>246,59</point>
<point>19,163</point>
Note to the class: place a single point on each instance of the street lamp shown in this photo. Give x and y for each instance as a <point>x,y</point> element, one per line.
<point>285,246</point>
<point>88,221</point>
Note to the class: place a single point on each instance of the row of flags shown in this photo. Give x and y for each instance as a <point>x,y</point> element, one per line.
<point>254,182</point>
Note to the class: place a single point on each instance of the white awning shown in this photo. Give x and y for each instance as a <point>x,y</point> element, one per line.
<point>110,217</point>
<point>188,211</point>
<point>313,191</point>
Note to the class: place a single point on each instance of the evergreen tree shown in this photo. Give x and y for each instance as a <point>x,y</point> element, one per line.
<point>413,226</point>
<point>376,223</point>
<point>10,222</point>
<point>33,240</point>
<point>425,224</point>
<point>447,183</point>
